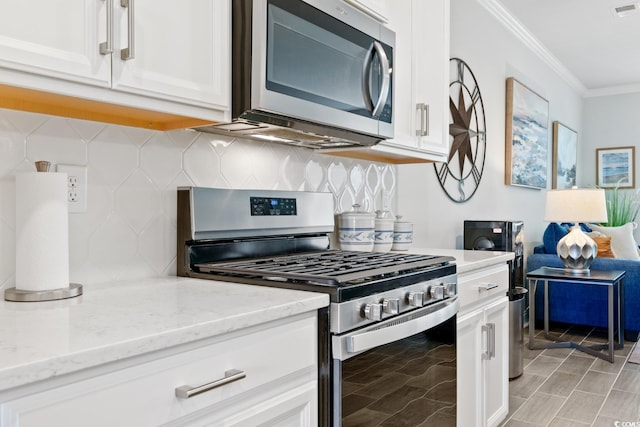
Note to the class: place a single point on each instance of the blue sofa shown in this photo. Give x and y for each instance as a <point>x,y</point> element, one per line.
<point>587,305</point>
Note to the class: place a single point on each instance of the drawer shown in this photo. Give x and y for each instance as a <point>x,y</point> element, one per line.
<point>481,286</point>
<point>144,394</point>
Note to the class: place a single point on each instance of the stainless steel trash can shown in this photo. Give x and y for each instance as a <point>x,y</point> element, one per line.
<point>516,330</point>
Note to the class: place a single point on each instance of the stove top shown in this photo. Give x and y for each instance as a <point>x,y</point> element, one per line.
<point>344,275</point>
<point>282,239</point>
<point>332,268</point>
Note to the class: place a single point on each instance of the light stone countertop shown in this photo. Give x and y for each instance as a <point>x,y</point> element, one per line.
<point>114,321</point>
<point>468,260</point>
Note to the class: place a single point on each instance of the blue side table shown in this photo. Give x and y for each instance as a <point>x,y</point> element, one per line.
<point>614,280</point>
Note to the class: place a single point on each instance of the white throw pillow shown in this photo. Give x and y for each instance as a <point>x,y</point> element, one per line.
<point>622,241</point>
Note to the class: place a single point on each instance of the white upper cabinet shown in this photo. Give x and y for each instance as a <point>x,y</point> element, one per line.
<point>421,77</point>
<point>56,38</point>
<point>374,8</point>
<point>421,86</point>
<point>173,50</point>
<point>151,55</point>
<point>430,78</point>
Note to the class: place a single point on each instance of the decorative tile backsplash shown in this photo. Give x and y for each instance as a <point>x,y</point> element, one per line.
<point>129,229</point>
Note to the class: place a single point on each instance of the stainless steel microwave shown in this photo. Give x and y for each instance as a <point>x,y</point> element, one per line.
<point>316,73</point>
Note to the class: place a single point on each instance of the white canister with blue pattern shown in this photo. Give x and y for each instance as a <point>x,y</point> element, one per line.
<point>356,230</point>
<point>383,239</point>
<point>402,234</point>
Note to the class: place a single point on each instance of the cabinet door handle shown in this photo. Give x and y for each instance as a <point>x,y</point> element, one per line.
<point>423,110</point>
<point>490,329</point>
<point>187,391</point>
<point>106,47</point>
<point>129,51</point>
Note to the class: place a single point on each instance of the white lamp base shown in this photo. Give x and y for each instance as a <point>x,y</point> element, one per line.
<point>577,251</point>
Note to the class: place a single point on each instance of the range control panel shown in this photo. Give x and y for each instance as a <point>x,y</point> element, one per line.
<point>268,206</point>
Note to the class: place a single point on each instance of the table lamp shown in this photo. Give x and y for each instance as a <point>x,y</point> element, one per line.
<point>576,250</point>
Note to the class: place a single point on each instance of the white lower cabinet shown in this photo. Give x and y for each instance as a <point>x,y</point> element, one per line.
<point>483,348</point>
<point>279,362</point>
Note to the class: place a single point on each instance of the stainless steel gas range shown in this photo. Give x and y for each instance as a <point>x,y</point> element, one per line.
<point>387,340</point>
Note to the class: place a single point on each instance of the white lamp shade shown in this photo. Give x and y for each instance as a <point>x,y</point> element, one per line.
<point>576,205</point>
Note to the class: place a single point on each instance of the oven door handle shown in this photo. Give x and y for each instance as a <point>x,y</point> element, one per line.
<point>394,329</point>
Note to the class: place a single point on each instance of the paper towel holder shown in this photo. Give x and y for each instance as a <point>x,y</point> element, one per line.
<point>18,295</point>
<point>43,166</point>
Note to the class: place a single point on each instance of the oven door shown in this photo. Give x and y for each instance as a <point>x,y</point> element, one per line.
<point>402,369</point>
<point>322,61</point>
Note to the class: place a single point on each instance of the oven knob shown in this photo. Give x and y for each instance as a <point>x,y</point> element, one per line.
<point>449,289</point>
<point>391,305</point>
<point>416,299</point>
<point>373,311</point>
<point>436,291</point>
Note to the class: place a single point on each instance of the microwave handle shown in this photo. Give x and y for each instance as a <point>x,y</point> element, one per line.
<point>386,79</point>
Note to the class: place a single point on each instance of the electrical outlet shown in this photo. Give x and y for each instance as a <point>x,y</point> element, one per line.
<point>76,187</point>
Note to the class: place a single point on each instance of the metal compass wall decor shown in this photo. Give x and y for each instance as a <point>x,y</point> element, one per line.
<point>460,176</point>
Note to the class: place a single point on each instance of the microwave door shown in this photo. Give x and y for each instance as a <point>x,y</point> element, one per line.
<point>316,66</point>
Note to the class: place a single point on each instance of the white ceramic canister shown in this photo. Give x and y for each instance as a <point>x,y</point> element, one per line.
<point>383,239</point>
<point>356,230</point>
<point>402,234</point>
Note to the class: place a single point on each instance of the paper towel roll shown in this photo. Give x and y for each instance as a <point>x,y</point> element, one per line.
<point>42,231</point>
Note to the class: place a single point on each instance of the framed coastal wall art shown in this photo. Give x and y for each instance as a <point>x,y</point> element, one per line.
<point>527,136</point>
<point>615,167</point>
<point>565,156</point>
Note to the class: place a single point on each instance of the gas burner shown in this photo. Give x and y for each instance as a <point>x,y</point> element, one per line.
<point>333,268</point>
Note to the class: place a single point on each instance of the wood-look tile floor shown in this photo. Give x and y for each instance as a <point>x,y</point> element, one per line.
<point>565,387</point>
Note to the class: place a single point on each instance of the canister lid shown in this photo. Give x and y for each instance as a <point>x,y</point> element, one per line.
<point>357,213</point>
<point>383,214</point>
<point>399,220</point>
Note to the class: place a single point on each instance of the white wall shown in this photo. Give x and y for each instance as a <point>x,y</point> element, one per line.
<point>129,229</point>
<point>609,121</point>
<point>493,53</point>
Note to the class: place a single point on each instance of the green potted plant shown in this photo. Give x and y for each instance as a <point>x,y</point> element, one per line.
<point>623,206</point>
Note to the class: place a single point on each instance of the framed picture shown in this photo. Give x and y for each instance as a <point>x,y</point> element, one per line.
<point>565,156</point>
<point>527,136</point>
<point>616,167</point>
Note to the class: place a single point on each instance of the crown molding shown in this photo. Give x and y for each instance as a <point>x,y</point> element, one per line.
<point>613,90</point>
<point>524,35</point>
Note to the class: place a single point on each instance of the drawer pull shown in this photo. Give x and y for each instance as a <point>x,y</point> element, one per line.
<point>487,286</point>
<point>186,391</point>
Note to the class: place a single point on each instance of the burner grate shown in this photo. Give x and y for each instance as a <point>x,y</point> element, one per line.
<point>327,267</point>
